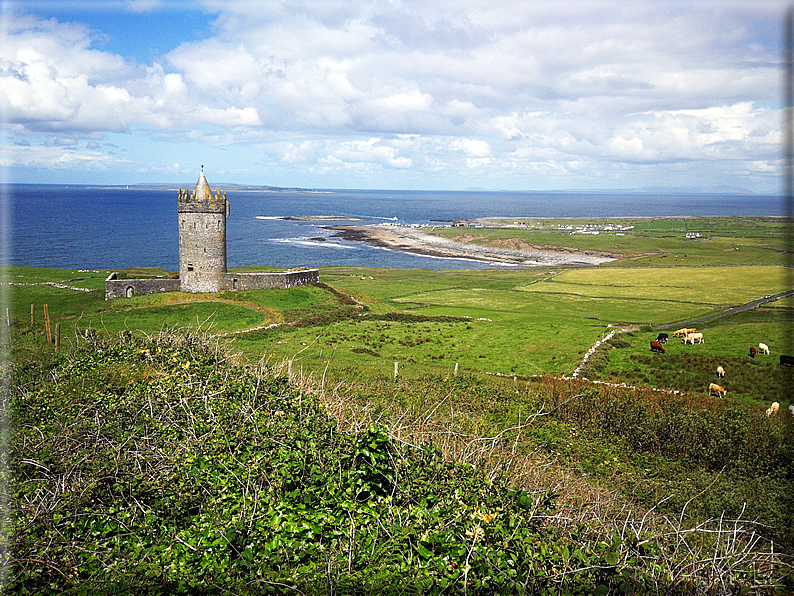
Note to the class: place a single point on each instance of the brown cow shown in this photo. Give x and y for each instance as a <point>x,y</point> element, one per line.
<point>714,388</point>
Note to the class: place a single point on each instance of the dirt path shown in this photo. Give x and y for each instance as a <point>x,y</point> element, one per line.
<point>730,311</point>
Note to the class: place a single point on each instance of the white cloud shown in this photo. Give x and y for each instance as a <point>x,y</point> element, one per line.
<point>558,88</point>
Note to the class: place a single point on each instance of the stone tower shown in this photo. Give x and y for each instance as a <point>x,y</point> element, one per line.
<point>202,238</point>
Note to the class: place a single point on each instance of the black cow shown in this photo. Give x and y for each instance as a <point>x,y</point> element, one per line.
<point>656,347</point>
<point>662,338</point>
<point>787,360</point>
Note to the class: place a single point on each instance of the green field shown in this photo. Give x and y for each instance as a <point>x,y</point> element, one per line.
<point>634,442</point>
<point>507,322</point>
<point>652,241</point>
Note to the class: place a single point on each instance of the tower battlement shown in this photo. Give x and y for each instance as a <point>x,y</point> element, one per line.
<point>191,202</point>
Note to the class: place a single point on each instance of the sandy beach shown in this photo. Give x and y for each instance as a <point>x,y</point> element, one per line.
<point>415,240</point>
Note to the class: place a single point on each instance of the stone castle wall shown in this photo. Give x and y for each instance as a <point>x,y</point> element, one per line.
<point>127,288</point>
<point>265,281</point>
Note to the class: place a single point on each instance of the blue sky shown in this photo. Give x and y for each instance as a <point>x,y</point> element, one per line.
<point>659,95</point>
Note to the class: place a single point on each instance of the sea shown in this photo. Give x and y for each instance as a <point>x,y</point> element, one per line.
<point>94,227</point>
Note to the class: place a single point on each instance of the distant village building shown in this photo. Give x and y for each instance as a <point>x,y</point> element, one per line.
<point>693,235</point>
<point>202,254</point>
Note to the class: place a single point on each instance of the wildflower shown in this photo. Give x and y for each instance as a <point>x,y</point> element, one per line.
<point>476,533</point>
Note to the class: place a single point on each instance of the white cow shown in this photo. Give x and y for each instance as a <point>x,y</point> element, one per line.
<point>763,349</point>
<point>691,338</point>
<point>772,410</point>
<point>720,372</point>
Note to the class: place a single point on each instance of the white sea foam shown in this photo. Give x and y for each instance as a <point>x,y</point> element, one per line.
<point>311,243</point>
<point>269,217</point>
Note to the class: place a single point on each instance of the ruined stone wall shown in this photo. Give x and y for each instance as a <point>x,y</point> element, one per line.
<point>264,281</point>
<point>127,288</point>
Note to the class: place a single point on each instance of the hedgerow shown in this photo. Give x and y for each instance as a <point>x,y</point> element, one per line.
<point>160,465</point>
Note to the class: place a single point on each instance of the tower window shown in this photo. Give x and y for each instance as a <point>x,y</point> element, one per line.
<point>190,266</point>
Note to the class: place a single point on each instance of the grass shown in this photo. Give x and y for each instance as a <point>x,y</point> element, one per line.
<point>691,368</point>
<point>652,241</point>
<point>162,464</point>
<point>600,455</point>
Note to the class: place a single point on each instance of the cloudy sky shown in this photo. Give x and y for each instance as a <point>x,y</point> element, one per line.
<point>395,94</point>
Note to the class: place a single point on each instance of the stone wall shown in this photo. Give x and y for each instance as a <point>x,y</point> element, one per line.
<point>127,288</point>
<point>264,281</point>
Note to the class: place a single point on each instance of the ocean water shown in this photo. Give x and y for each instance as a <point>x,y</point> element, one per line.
<point>87,227</point>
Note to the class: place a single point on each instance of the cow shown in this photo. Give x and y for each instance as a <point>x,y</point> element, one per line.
<point>693,337</point>
<point>713,387</point>
<point>753,351</point>
<point>720,372</point>
<point>656,347</point>
<point>787,360</point>
<point>683,332</point>
<point>772,410</point>
<point>763,349</point>
<point>662,338</point>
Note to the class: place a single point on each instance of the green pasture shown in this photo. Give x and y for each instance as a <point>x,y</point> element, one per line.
<point>520,322</point>
<point>663,295</point>
<point>652,241</point>
<point>691,368</point>
<point>219,317</point>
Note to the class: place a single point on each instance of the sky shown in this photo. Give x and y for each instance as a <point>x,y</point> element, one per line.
<point>640,95</point>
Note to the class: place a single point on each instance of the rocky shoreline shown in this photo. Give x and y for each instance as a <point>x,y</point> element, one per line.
<point>414,240</point>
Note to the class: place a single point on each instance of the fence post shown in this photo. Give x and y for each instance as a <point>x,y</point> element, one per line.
<point>396,367</point>
<point>47,324</point>
<point>32,315</point>
<point>456,369</point>
<point>8,317</point>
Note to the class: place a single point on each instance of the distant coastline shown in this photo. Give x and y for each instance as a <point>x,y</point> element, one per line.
<point>414,240</point>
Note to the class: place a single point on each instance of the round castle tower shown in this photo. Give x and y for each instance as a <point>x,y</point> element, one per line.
<point>202,237</point>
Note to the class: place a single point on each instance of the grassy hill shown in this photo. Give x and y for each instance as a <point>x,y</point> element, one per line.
<point>164,464</point>
<point>158,449</point>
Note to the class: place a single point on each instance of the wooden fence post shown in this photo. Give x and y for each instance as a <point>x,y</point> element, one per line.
<point>396,367</point>
<point>456,369</point>
<point>47,324</point>
<point>8,317</point>
<point>32,315</point>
